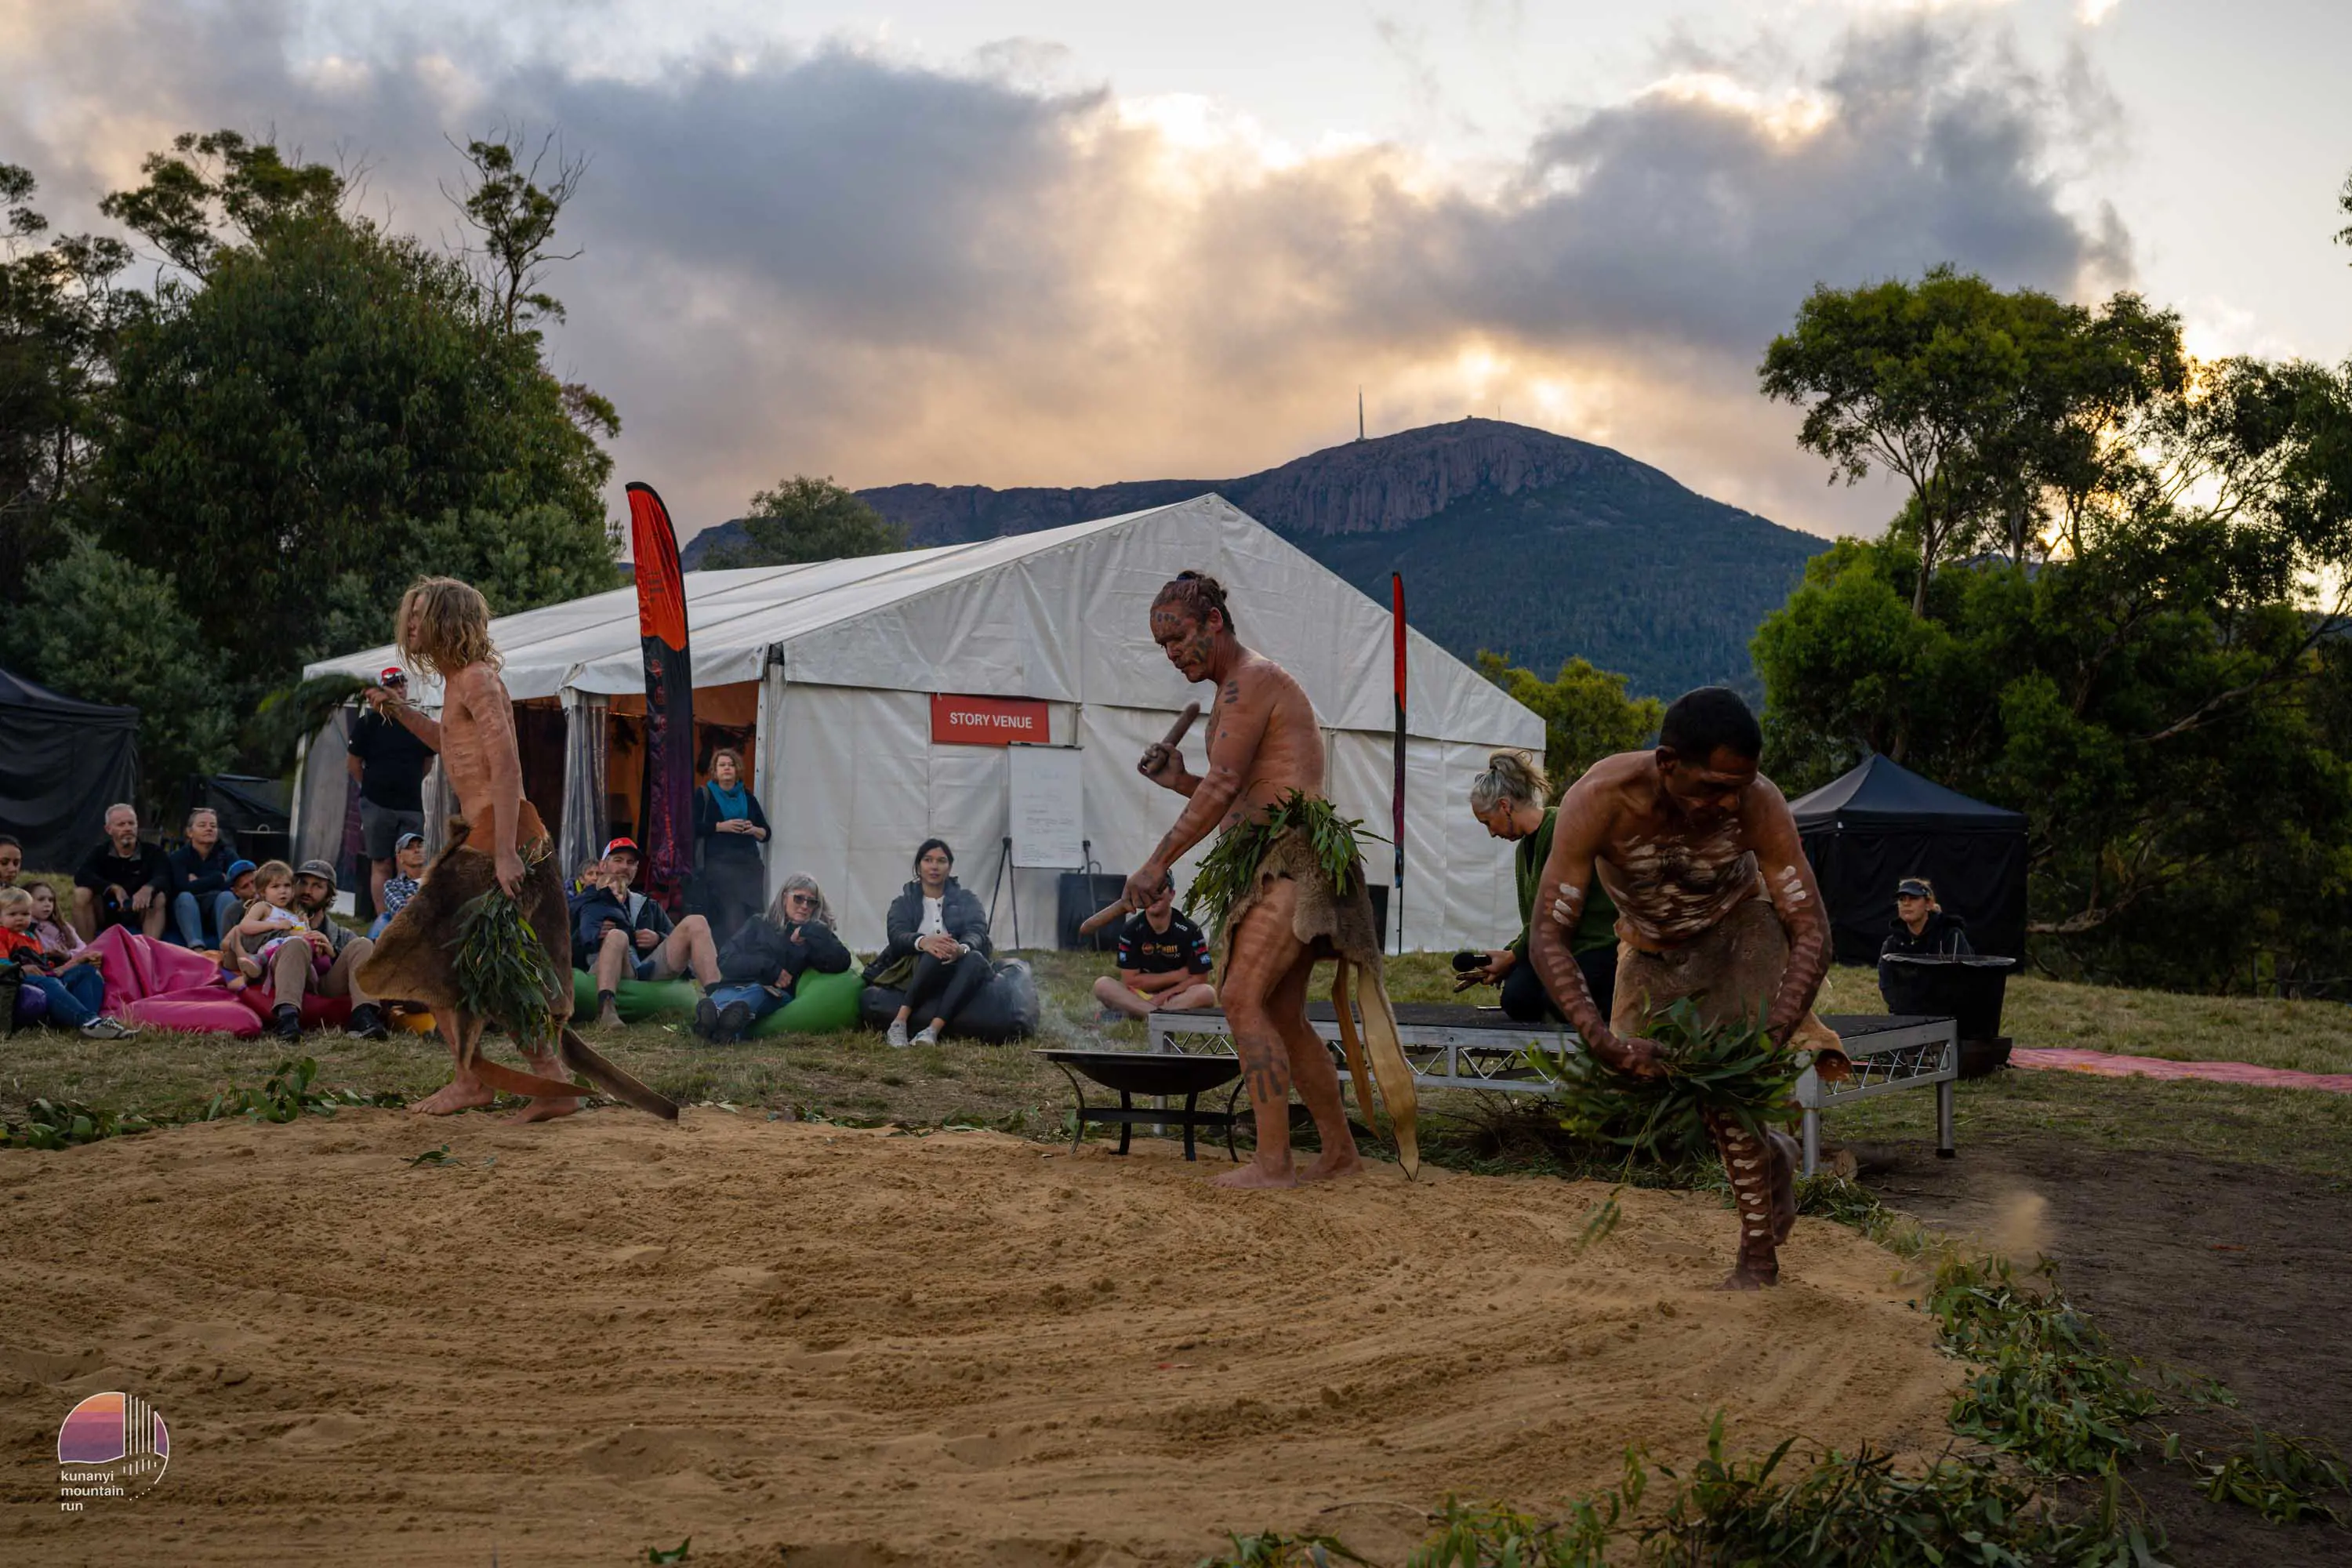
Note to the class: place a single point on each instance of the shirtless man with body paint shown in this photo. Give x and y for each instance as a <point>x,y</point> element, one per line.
<point>1715,899</point>
<point>1264,743</point>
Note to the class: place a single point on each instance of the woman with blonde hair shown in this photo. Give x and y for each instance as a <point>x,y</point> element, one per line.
<point>759,969</point>
<point>1511,801</point>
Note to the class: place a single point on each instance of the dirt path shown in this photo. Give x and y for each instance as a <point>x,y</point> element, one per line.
<point>2239,1272</point>
<point>870,1348</point>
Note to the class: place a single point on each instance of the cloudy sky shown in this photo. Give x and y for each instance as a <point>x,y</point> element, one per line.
<point>1054,242</point>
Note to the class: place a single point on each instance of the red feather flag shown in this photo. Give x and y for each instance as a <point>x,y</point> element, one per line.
<point>669,812</point>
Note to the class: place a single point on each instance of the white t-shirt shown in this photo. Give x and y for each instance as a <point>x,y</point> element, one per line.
<point>934,924</point>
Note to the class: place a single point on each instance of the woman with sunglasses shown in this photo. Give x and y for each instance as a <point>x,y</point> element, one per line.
<point>759,969</point>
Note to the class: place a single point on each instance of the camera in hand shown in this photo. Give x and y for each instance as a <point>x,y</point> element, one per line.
<point>1465,961</point>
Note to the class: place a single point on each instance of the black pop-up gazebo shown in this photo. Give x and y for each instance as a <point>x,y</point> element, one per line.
<point>1868,830</point>
<point>62,764</point>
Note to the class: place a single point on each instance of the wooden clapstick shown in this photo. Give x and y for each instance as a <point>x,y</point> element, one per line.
<point>1175,738</point>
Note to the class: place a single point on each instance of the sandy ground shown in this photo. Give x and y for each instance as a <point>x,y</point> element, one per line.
<point>582,1339</point>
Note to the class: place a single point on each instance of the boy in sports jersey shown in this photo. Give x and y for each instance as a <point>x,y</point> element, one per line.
<point>1163,963</point>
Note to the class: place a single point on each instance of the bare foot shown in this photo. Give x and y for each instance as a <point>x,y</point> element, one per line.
<point>546,1110</point>
<point>1254,1176</point>
<point>1745,1278</point>
<point>609,1017</point>
<point>1334,1167</point>
<point>458,1094</point>
<point>1785,1158</point>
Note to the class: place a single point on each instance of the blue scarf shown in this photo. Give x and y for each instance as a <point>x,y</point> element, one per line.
<point>733,804</point>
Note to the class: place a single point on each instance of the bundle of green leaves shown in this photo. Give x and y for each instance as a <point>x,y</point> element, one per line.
<point>1227,870</point>
<point>1732,1070</point>
<point>502,969</point>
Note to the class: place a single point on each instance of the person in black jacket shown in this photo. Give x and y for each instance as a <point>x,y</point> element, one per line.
<point>938,943</point>
<point>758,971</point>
<point>730,832</point>
<point>1922,928</point>
<point>197,877</point>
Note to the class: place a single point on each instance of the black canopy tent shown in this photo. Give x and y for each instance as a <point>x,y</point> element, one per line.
<point>62,764</point>
<point>1869,828</point>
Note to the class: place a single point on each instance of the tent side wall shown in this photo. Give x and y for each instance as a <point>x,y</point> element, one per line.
<point>58,772</point>
<point>1980,877</point>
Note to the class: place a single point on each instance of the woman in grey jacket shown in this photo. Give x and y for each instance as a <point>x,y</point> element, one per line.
<point>939,946</point>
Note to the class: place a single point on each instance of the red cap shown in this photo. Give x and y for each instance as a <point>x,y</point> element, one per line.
<point>628,844</point>
<point>391,673</point>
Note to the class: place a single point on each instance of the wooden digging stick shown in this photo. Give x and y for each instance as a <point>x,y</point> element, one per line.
<point>1109,912</point>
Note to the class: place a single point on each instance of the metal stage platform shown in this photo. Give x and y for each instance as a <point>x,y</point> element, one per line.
<point>1451,1046</point>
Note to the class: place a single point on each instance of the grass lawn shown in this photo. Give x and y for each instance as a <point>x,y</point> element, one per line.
<point>854,1076</point>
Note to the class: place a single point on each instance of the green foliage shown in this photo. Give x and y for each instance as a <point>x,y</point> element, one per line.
<point>287,1095</point>
<point>1587,715</point>
<point>1229,869</point>
<point>503,970</point>
<point>107,629</point>
<point>1273,1549</point>
<point>669,1553</point>
<point>62,1123</point>
<point>2281,1478</point>
<point>805,519</point>
<point>514,217</point>
<point>1489,1535</point>
<point>1733,1070</point>
<point>216,183</point>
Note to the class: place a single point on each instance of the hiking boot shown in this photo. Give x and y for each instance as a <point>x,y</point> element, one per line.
<point>287,1022</point>
<point>367,1023</point>
<point>107,1029</point>
<point>896,1037</point>
<point>733,1019</point>
<point>706,1019</point>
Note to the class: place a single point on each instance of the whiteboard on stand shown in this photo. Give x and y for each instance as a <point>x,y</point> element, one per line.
<point>1048,807</point>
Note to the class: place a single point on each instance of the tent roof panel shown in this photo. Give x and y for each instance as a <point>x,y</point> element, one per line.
<point>1881,793</point>
<point>1061,613</point>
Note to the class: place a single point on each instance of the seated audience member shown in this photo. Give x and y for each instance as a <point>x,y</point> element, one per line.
<point>240,881</point>
<point>408,872</point>
<point>1922,928</point>
<point>12,860</point>
<point>323,956</point>
<point>53,931</point>
<point>76,992</point>
<point>1509,800</point>
<point>121,883</point>
<point>1163,963</point>
<point>938,943</point>
<point>252,941</point>
<point>619,934</point>
<point>390,761</point>
<point>196,876</point>
<point>731,831</point>
<point>759,969</point>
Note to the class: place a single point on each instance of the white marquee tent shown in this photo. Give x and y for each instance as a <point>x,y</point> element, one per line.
<point>848,654</point>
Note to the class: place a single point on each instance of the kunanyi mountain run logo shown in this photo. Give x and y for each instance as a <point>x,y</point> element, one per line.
<point>110,1445</point>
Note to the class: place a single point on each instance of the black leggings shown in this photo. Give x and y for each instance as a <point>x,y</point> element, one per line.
<point>954,986</point>
<point>1524,999</point>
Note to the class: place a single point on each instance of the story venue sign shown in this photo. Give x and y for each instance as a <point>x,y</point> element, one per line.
<point>988,720</point>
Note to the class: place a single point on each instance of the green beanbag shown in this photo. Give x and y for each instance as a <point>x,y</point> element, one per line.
<point>821,1005</point>
<point>634,1000</point>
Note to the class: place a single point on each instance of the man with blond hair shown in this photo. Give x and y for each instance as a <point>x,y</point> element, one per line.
<point>498,841</point>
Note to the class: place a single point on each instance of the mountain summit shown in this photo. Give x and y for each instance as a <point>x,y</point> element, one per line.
<point>1511,538</point>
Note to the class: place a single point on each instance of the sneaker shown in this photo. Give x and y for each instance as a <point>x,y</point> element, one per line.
<point>287,1022</point>
<point>896,1038</point>
<point>107,1029</point>
<point>367,1023</point>
<point>706,1019</point>
<point>929,1036</point>
<point>733,1019</point>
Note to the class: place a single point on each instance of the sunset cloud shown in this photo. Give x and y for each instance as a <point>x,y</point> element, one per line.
<point>838,258</point>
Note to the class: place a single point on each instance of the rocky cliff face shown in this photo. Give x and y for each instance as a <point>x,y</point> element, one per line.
<point>1362,487</point>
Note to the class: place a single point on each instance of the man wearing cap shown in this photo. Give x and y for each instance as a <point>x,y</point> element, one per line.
<point>324,961</point>
<point>390,761</point>
<point>618,933</point>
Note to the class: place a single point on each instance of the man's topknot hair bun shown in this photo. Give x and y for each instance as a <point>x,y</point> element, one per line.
<point>1198,593</point>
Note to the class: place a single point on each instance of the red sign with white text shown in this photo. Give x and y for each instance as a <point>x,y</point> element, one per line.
<point>988,720</point>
